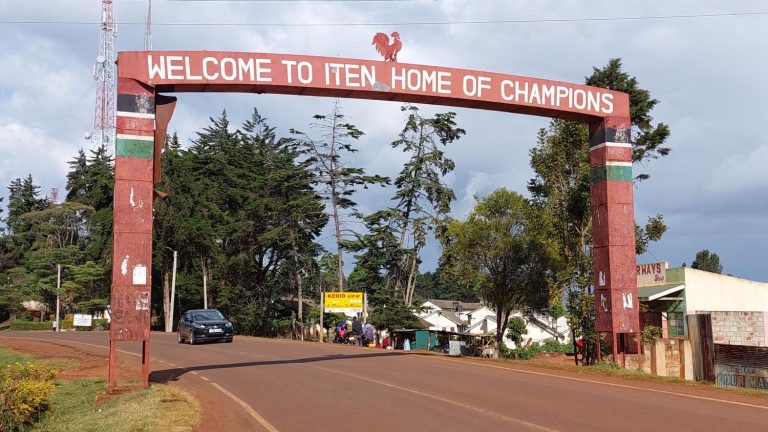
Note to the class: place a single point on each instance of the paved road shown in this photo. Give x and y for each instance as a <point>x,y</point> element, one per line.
<point>291,386</point>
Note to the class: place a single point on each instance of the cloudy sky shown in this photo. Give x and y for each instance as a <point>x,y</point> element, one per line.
<point>709,74</point>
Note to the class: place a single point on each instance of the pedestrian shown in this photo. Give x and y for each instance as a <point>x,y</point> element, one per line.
<point>357,330</point>
<point>55,323</point>
<point>368,333</point>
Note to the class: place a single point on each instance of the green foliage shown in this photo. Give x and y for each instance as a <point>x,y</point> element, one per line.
<point>442,284</point>
<point>516,329</point>
<point>25,389</point>
<point>653,230</point>
<point>651,335</point>
<point>707,261</point>
<point>647,139</point>
<point>30,325</point>
<point>503,250</point>
<point>531,351</point>
<point>394,315</point>
<point>338,181</point>
<point>422,196</point>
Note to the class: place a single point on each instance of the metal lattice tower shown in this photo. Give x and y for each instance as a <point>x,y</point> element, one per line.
<point>148,28</point>
<point>104,74</point>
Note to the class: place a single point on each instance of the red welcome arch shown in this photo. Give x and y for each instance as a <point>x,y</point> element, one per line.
<point>143,114</point>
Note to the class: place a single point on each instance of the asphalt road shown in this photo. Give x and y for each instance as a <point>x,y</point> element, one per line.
<point>292,386</point>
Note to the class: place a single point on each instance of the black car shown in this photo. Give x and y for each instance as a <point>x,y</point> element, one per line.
<point>201,325</point>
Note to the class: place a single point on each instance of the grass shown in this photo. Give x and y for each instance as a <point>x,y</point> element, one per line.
<point>73,406</point>
<point>160,408</point>
<point>10,357</point>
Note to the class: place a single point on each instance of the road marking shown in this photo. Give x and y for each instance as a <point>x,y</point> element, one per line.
<point>193,372</point>
<point>204,378</point>
<point>493,414</point>
<point>267,425</point>
<point>667,392</point>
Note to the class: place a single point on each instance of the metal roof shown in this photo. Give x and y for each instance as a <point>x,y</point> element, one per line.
<point>656,292</point>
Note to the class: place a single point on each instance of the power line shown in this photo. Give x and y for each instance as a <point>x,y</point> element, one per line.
<point>402,24</point>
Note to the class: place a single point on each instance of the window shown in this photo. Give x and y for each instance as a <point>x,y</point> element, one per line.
<point>676,324</point>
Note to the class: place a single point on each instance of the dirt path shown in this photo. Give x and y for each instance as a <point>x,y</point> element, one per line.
<point>89,361</point>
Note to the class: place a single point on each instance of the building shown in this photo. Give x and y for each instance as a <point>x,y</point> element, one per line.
<point>739,307</point>
<point>478,319</point>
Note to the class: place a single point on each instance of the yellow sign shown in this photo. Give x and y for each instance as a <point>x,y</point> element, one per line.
<point>343,302</point>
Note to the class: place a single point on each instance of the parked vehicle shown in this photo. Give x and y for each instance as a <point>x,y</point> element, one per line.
<point>201,325</point>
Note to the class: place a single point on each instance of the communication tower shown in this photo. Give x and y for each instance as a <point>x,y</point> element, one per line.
<point>104,74</point>
<point>148,28</point>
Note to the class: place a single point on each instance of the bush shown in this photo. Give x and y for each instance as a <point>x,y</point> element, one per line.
<point>100,324</point>
<point>24,392</point>
<point>29,325</point>
<point>651,335</point>
<point>527,353</point>
<point>66,324</point>
<point>557,347</point>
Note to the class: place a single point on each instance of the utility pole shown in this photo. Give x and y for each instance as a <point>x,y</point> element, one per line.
<point>58,289</point>
<point>168,300</point>
<point>322,312</point>
<point>173,286</point>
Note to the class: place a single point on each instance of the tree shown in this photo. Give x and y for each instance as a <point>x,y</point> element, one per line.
<point>562,184</point>
<point>423,199</point>
<point>502,249</point>
<point>23,198</point>
<point>517,329</point>
<point>707,261</point>
<point>90,181</point>
<point>338,181</point>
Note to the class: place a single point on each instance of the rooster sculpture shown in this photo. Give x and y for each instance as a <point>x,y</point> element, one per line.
<point>383,47</point>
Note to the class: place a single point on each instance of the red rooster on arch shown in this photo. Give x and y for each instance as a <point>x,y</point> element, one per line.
<point>381,40</point>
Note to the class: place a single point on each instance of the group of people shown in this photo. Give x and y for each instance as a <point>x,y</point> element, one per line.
<point>361,334</point>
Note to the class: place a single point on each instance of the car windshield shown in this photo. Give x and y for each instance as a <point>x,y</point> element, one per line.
<point>209,315</point>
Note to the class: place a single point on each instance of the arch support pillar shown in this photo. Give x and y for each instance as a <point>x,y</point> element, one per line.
<point>130,303</point>
<point>613,234</point>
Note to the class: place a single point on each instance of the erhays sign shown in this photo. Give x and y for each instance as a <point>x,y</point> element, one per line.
<point>189,71</point>
<point>652,274</point>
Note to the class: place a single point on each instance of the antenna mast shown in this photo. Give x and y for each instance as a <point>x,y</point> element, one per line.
<point>148,28</point>
<point>104,74</point>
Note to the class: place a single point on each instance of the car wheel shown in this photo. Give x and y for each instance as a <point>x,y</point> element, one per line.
<point>192,338</point>
<point>230,340</point>
<point>181,339</point>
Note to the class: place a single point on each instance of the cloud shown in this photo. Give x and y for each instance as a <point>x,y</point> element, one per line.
<point>708,75</point>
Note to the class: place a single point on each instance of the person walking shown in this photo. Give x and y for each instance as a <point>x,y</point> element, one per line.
<point>357,329</point>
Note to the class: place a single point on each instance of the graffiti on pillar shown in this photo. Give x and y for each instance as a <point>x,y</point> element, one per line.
<point>627,300</point>
<point>130,315</point>
<point>142,301</point>
<point>622,134</point>
<point>133,202</point>
<point>604,302</point>
<point>145,104</point>
<point>124,265</point>
<point>601,279</point>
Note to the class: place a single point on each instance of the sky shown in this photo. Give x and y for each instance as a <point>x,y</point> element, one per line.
<point>708,73</point>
